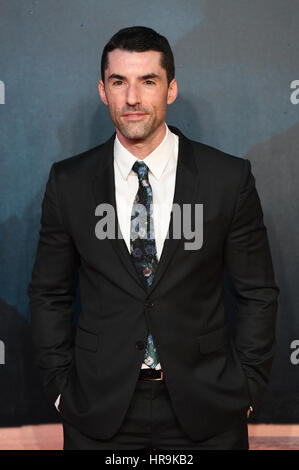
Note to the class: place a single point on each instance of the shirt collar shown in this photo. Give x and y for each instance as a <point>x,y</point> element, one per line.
<point>156,160</point>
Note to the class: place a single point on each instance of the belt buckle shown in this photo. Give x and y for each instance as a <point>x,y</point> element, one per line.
<point>160,379</point>
<point>151,379</point>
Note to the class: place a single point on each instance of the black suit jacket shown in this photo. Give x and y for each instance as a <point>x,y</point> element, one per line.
<point>211,376</point>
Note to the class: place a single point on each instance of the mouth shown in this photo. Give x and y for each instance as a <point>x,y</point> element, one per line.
<point>134,116</point>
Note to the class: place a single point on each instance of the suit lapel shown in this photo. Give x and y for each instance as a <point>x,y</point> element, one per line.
<point>104,193</point>
<point>185,192</point>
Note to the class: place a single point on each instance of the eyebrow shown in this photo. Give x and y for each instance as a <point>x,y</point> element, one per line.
<point>142,77</point>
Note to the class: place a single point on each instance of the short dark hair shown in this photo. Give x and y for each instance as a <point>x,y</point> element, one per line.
<point>140,39</point>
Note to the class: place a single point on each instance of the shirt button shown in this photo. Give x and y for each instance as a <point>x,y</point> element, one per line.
<point>139,345</point>
<point>149,304</point>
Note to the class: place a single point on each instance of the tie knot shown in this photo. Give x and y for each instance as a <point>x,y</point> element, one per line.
<point>141,169</point>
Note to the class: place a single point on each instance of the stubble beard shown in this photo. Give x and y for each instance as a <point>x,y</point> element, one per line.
<point>136,130</point>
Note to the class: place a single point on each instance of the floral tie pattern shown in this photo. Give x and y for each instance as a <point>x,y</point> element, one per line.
<point>143,246</point>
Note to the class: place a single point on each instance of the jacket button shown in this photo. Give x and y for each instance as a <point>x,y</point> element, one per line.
<point>149,304</point>
<point>139,345</point>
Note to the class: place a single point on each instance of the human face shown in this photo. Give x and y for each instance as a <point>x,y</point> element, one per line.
<point>137,93</point>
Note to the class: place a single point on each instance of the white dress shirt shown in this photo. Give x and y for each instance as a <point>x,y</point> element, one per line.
<point>162,163</point>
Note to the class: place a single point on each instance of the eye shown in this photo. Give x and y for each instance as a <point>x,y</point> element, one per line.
<point>117,83</point>
<point>150,82</point>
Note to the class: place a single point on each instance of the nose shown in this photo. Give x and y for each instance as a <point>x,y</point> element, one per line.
<point>132,95</point>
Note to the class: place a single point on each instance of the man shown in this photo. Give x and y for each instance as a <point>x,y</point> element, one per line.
<point>151,362</point>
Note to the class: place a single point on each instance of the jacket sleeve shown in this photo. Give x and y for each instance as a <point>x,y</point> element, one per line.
<point>250,271</point>
<point>52,292</point>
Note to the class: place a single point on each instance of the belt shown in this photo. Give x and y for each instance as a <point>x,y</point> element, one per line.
<point>151,374</point>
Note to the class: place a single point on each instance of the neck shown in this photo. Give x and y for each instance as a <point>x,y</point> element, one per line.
<point>143,147</point>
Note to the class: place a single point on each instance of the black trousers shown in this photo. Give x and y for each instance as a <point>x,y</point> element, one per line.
<point>150,423</point>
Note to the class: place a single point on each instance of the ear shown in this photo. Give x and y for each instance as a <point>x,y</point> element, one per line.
<point>102,92</point>
<point>172,91</point>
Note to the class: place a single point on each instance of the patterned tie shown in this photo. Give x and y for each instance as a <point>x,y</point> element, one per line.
<point>143,246</point>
